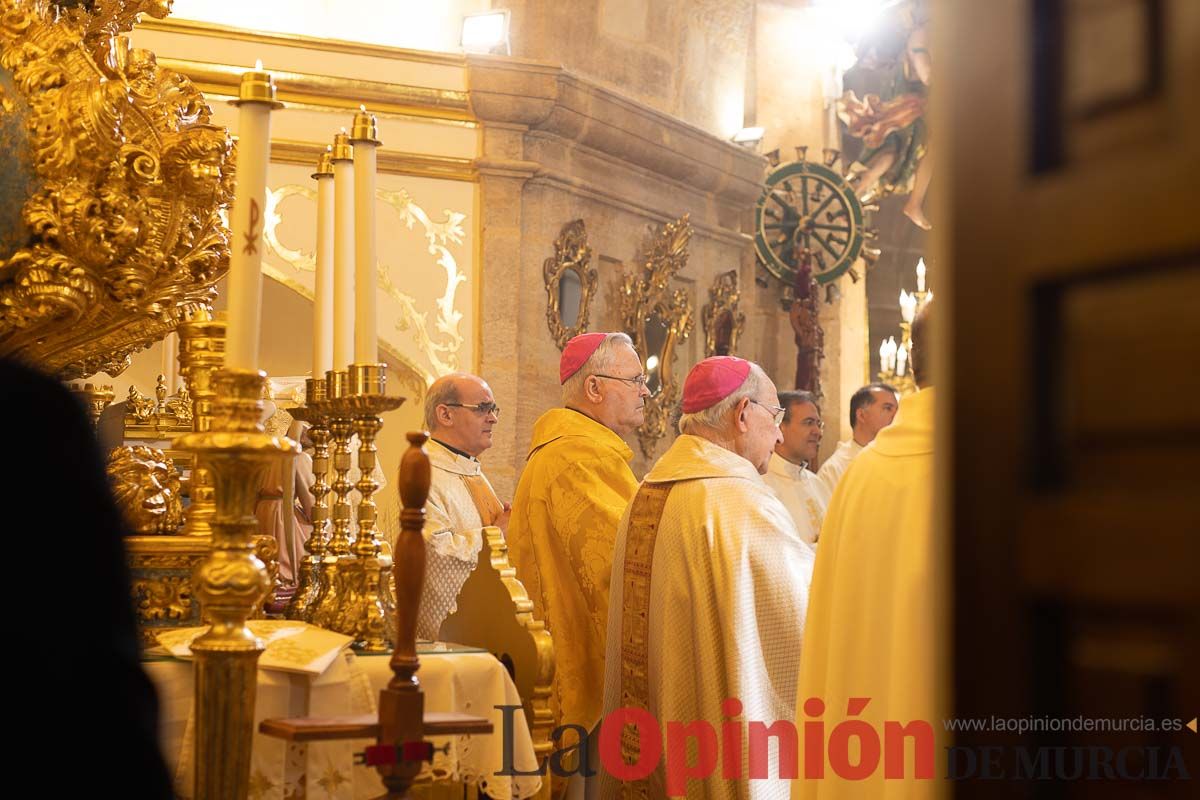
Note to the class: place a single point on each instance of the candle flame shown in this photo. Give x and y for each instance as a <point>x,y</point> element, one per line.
<point>258,64</point>
<point>362,108</point>
<point>343,129</point>
<point>328,148</point>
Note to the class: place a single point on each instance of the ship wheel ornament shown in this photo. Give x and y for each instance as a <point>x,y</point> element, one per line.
<point>810,208</point>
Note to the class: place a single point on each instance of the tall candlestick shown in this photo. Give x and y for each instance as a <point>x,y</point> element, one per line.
<point>256,99</point>
<point>363,136</point>
<point>343,251</point>
<point>323,294</point>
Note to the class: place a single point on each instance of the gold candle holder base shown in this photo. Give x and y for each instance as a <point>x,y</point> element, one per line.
<point>357,601</point>
<point>310,584</point>
<point>231,582</point>
<point>330,578</point>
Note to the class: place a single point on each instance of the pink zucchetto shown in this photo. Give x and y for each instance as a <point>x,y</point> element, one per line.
<point>577,352</point>
<point>712,380</point>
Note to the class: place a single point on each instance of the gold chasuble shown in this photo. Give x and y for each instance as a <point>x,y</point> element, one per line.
<point>875,644</point>
<point>572,492</point>
<point>709,593</point>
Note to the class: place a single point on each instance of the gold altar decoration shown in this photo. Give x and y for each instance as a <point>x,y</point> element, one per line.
<point>158,416</point>
<point>231,582</point>
<point>95,399</point>
<point>146,487</point>
<point>720,317</point>
<point>571,258</point>
<point>124,181</point>
<point>354,595</point>
<point>657,318</point>
<point>161,566</point>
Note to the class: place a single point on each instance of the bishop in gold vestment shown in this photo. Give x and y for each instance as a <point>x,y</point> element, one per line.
<point>572,492</point>
<point>710,588</point>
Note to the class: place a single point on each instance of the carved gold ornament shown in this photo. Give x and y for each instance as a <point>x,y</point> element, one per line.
<point>146,486</point>
<point>160,416</point>
<point>657,318</point>
<point>119,178</point>
<point>95,399</point>
<point>572,254</point>
<point>720,317</point>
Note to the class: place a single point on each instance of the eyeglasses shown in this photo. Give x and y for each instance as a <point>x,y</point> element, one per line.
<point>813,422</point>
<point>638,380</point>
<point>483,409</point>
<point>775,411</point>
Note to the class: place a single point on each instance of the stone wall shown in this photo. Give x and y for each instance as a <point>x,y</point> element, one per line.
<point>687,58</point>
<point>557,147</point>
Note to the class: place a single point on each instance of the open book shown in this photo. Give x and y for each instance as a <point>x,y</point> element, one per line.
<point>290,646</point>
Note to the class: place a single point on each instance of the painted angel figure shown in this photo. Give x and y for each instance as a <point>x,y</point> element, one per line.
<point>896,159</point>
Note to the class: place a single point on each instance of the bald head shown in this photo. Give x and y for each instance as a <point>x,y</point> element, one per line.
<point>460,411</point>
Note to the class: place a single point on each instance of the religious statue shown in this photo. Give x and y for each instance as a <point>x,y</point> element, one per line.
<point>285,501</point>
<point>803,314</point>
<point>892,126</point>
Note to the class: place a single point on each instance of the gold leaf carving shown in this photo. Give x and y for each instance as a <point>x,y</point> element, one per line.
<point>123,219</point>
<point>646,294</point>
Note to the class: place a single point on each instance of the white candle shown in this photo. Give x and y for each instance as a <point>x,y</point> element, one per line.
<point>256,99</point>
<point>901,360</point>
<point>366,336</point>
<point>921,275</point>
<point>343,252</point>
<point>323,294</point>
<point>908,306</point>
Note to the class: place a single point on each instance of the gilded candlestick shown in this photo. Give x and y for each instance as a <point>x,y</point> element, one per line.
<point>231,583</point>
<point>311,573</point>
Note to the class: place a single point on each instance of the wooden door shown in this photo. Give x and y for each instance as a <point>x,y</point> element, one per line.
<point>1066,135</point>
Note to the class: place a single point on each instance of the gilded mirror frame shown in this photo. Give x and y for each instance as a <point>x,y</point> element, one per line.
<point>571,253</point>
<point>646,293</point>
<point>723,299</point>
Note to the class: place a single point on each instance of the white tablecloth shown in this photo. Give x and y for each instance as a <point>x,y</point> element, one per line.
<point>466,682</point>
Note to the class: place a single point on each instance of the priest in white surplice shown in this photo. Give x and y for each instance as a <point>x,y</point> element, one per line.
<point>460,413</point>
<point>709,585</point>
<point>788,475</point>
<point>872,408</point>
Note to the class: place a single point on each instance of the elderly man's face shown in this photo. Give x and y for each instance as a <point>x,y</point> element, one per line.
<point>763,433</point>
<point>623,398</point>
<point>801,433</point>
<point>470,427</point>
